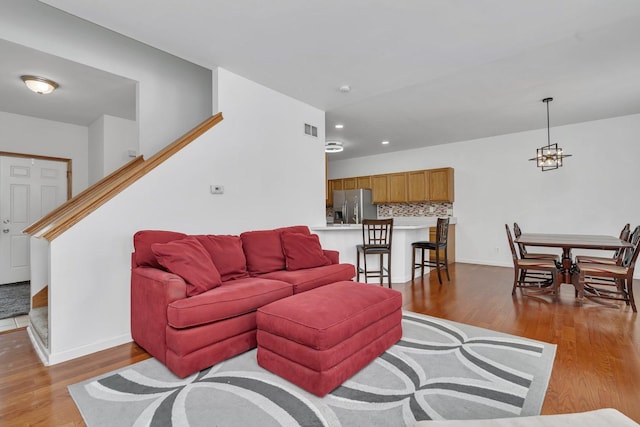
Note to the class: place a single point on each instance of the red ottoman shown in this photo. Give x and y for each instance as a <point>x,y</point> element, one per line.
<point>320,338</point>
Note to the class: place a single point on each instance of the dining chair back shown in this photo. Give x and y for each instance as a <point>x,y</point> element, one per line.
<point>439,245</point>
<point>524,266</point>
<point>376,240</point>
<point>523,250</point>
<point>618,255</point>
<point>594,280</point>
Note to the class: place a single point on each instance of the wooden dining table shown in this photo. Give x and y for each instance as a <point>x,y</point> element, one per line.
<point>567,242</point>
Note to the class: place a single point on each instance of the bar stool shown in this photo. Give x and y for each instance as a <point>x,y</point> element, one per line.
<point>442,233</point>
<point>376,240</point>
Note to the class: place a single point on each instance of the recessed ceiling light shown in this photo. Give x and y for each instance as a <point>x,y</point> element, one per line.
<point>339,126</point>
<point>333,147</point>
<point>385,142</point>
<point>345,89</point>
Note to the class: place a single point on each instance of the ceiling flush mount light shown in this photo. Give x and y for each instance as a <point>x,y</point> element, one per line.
<point>385,142</point>
<point>550,156</point>
<point>39,84</point>
<point>339,126</point>
<point>333,147</point>
<point>345,89</point>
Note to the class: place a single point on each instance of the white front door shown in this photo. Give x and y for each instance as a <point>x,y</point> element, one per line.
<point>29,189</point>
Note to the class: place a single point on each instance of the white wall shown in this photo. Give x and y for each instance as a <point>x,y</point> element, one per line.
<point>96,150</point>
<point>120,136</point>
<point>273,176</point>
<point>110,139</point>
<point>28,135</point>
<point>173,95</point>
<point>594,193</point>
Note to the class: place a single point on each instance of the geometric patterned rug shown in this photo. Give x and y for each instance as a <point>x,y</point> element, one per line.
<point>438,370</point>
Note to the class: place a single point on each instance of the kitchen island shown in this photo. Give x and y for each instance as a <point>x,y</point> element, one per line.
<point>345,237</point>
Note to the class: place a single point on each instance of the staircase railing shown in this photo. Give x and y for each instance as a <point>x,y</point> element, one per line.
<point>73,210</point>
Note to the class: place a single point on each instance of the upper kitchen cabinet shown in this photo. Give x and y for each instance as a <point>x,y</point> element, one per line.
<point>333,184</point>
<point>440,184</point>
<point>379,188</point>
<point>418,186</point>
<point>363,182</point>
<point>349,184</point>
<point>397,187</point>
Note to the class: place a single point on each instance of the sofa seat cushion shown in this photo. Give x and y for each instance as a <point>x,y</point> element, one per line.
<point>232,298</point>
<point>310,278</point>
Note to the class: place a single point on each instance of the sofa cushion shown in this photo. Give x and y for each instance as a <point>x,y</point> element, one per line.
<point>188,259</point>
<point>263,248</point>
<point>310,278</point>
<point>302,251</point>
<point>143,240</point>
<point>227,255</point>
<point>263,251</point>
<point>233,298</point>
<point>303,229</point>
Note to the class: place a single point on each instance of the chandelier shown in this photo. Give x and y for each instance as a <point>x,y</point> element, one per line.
<point>550,156</point>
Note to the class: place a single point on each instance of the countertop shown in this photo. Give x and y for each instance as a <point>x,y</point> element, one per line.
<point>404,223</point>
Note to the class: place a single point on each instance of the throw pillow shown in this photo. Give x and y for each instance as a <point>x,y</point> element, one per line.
<point>143,240</point>
<point>263,251</point>
<point>227,255</point>
<point>303,251</point>
<point>188,259</point>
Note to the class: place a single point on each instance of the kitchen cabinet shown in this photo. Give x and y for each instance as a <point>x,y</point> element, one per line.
<point>451,244</point>
<point>435,185</point>
<point>379,188</point>
<point>363,182</point>
<point>418,186</point>
<point>397,192</point>
<point>349,184</point>
<point>441,185</point>
<point>332,184</point>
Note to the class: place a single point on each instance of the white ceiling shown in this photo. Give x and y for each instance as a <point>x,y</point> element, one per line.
<point>84,94</point>
<point>422,72</point>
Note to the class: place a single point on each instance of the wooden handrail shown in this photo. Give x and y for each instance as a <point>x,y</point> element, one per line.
<point>101,192</point>
<point>79,198</point>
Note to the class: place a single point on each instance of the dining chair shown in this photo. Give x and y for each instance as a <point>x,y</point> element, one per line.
<point>440,244</point>
<point>523,265</point>
<point>625,233</point>
<point>526,254</point>
<point>594,280</point>
<point>523,250</point>
<point>376,240</point>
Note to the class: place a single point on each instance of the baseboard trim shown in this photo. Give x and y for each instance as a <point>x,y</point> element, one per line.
<point>74,353</point>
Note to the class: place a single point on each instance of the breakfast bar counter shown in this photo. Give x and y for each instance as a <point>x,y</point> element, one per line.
<point>345,237</point>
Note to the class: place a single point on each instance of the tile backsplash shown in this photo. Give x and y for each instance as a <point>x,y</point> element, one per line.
<point>410,209</point>
<point>415,209</point>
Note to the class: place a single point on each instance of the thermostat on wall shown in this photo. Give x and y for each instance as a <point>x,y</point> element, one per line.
<point>217,189</point>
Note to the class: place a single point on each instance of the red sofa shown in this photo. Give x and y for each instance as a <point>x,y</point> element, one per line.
<point>194,298</point>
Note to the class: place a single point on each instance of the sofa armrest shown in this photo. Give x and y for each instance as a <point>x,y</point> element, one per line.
<point>334,256</point>
<point>152,290</point>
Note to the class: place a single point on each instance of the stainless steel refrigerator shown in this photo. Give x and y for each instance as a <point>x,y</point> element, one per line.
<point>352,206</point>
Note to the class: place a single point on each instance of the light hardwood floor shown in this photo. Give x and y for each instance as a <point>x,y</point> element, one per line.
<point>597,363</point>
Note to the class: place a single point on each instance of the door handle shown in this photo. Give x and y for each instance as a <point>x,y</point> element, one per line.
<point>5,230</point>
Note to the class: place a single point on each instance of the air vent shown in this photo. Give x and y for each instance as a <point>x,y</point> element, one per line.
<point>310,130</point>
